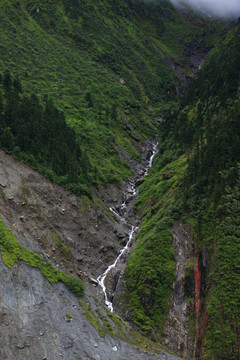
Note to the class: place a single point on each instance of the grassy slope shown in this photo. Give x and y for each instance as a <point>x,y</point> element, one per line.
<point>77,52</point>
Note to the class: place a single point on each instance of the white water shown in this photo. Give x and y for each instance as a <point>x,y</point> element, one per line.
<point>101,278</point>
<point>114,211</point>
<point>153,154</point>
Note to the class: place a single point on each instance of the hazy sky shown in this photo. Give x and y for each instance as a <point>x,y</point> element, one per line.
<point>224,8</point>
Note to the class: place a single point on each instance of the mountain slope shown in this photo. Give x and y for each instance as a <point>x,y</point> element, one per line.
<point>105,66</point>
<point>195,178</point>
<point>41,317</point>
<point>83,88</point>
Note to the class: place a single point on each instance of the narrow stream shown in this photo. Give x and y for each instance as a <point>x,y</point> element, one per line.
<point>119,212</point>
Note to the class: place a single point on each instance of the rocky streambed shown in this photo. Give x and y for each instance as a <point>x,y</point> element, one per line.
<point>126,227</point>
<point>41,321</point>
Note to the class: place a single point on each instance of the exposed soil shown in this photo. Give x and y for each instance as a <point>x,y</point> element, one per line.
<point>38,209</point>
<point>33,322</point>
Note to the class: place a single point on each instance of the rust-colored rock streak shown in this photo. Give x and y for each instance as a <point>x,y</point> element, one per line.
<point>198,304</point>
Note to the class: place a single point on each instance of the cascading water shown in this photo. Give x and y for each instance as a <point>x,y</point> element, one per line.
<point>102,277</point>
<point>153,154</point>
<point>119,212</point>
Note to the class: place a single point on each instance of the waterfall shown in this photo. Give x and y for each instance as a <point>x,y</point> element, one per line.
<point>122,209</point>
<point>101,278</point>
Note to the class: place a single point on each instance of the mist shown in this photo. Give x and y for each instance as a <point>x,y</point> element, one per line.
<point>220,8</point>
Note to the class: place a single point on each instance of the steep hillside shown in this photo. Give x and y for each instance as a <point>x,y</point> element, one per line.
<point>195,179</point>
<point>105,66</point>
<point>85,87</point>
<point>50,238</point>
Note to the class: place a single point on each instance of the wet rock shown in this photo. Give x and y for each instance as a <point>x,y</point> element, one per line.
<point>139,181</point>
<point>93,281</point>
<point>123,241</point>
<point>121,236</point>
<point>112,281</point>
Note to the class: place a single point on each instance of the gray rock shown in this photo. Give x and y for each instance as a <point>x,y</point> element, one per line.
<point>39,309</point>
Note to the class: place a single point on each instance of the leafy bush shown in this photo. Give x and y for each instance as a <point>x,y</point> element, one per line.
<point>75,285</point>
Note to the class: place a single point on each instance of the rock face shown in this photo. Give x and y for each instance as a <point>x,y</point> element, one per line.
<point>43,321</point>
<point>40,210</point>
<point>177,326</point>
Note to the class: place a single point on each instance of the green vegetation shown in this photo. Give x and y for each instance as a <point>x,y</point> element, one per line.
<point>81,79</point>
<point>97,319</point>
<point>38,135</point>
<point>205,126</point>
<point>59,243</point>
<point>106,322</point>
<point>212,197</point>
<point>12,252</point>
<point>102,67</point>
<point>116,326</point>
<point>68,316</point>
<point>194,176</point>
<point>221,337</point>
<point>150,270</point>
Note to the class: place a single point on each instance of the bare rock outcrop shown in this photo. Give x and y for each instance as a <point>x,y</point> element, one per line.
<point>177,323</point>
<point>43,321</point>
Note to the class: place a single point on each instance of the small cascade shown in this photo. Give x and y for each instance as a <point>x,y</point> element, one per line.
<point>154,151</point>
<point>113,210</point>
<point>153,154</point>
<point>101,278</point>
<point>120,212</point>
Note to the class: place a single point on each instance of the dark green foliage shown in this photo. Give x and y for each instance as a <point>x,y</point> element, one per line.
<point>207,126</point>
<point>38,135</point>
<point>149,274</point>
<point>223,306</point>
<point>78,52</point>
<point>75,285</point>
<point>213,164</point>
<point>219,75</point>
<point>105,65</point>
<point>214,124</point>
<point>150,270</point>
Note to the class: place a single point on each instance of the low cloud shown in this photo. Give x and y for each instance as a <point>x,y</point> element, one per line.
<point>221,8</point>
